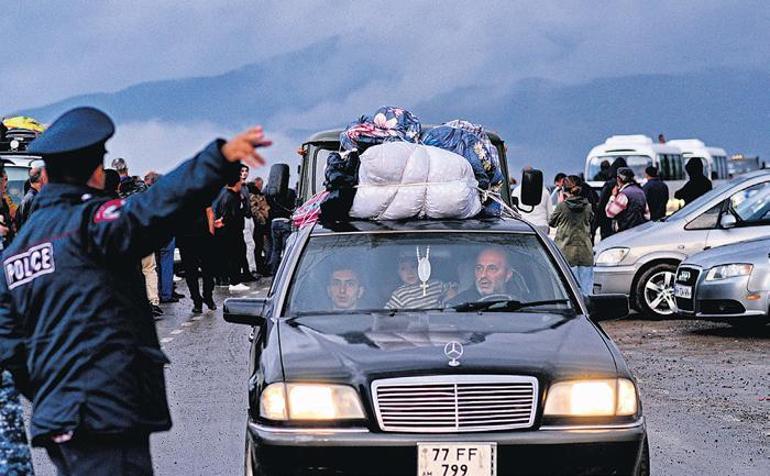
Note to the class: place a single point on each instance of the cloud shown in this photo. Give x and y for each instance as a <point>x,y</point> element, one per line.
<point>67,48</point>
<point>161,146</point>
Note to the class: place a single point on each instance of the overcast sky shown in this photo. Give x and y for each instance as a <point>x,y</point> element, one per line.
<point>52,49</point>
<point>56,49</point>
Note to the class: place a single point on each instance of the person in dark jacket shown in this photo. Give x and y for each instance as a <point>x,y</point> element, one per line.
<point>697,185</point>
<point>572,219</point>
<point>628,205</point>
<point>229,222</point>
<point>604,172</point>
<point>656,192</point>
<point>37,180</point>
<point>604,222</point>
<point>260,212</point>
<point>76,331</point>
<point>195,238</point>
<point>7,227</point>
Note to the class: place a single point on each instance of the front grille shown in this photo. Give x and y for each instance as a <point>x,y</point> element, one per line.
<point>455,403</point>
<point>689,277</point>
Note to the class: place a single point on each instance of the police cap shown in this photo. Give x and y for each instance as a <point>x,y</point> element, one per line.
<point>76,129</point>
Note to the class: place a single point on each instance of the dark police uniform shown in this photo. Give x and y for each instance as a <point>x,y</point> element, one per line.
<point>76,330</point>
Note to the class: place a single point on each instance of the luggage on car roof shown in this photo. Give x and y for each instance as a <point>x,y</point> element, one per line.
<point>400,180</point>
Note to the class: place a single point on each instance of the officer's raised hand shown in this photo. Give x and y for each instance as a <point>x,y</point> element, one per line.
<point>243,147</point>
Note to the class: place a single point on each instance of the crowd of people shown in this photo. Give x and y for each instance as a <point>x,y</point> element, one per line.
<point>576,211</point>
<point>237,239</point>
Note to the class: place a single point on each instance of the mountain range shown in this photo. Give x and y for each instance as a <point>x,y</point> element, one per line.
<point>547,124</point>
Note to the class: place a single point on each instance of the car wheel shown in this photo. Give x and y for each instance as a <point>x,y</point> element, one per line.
<point>644,462</point>
<point>655,291</point>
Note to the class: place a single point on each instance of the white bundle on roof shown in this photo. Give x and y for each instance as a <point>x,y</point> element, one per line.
<point>398,180</point>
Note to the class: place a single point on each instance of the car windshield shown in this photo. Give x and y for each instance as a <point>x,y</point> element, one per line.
<point>392,272</point>
<point>637,162</point>
<point>17,175</point>
<point>703,199</point>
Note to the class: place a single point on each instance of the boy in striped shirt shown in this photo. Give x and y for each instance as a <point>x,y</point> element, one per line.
<point>415,295</point>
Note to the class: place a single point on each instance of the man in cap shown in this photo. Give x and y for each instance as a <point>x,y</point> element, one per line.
<point>76,331</point>
<point>628,205</point>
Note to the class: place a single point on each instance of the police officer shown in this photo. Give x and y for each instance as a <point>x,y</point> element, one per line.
<point>76,330</point>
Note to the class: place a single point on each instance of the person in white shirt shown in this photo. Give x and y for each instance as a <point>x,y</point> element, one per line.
<point>540,214</point>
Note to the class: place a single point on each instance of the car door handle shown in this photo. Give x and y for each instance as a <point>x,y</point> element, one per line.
<point>706,247</point>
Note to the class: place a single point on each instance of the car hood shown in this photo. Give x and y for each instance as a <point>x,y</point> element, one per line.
<point>361,348</point>
<point>636,235</point>
<point>753,252</point>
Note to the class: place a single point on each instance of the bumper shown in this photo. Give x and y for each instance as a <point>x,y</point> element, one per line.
<point>613,279</point>
<point>595,450</point>
<point>726,299</point>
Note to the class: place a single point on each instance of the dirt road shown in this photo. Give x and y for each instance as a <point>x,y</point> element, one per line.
<point>706,393</point>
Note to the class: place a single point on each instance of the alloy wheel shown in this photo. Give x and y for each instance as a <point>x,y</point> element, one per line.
<point>659,293</point>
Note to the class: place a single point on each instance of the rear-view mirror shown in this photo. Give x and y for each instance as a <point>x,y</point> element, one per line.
<point>727,221</point>
<point>248,311</point>
<point>531,187</point>
<point>278,181</point>
<point>602,307</point>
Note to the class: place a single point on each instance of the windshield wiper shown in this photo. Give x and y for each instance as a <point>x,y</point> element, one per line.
<point>504,305</point>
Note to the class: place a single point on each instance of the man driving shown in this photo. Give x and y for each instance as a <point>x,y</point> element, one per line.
<point>492,273</point>
<point>344,288</point>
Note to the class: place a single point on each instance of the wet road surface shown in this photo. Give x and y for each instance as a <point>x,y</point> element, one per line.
<point>705,389</point>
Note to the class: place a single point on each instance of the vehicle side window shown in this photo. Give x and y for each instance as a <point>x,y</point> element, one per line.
<point>320,170</point>
<point>707,220</point>
<point>752,205</point>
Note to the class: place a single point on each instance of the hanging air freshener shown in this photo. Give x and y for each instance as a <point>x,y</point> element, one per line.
<point>423,269</point>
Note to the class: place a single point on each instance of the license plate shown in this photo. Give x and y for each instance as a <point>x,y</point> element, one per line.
<point>684,292</point>
<point>456,459</point>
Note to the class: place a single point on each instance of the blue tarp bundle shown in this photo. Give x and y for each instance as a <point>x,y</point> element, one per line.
<point>472,142</point>
<point>387,125</point>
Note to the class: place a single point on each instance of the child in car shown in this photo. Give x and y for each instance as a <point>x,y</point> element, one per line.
<point>415,293</point>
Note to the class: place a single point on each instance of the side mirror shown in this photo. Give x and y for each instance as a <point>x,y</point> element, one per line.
<point>278,180</point>
<point>602,307</point>
<point>727,221</point>
<point>244,311</point>
<point>531,187</point>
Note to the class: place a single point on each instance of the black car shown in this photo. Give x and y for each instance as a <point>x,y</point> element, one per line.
<point>443,348</point>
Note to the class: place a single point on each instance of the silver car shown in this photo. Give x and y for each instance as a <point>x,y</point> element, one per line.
<point>642,262</point>
<point>729,283</point>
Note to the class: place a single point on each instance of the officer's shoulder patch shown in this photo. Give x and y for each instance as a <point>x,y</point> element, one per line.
<point>26,266</point>
<point>109,211</point>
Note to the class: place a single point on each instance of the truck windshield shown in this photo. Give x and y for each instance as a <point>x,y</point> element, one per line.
<point>637,162</point>
<point>17,175</point>
<point>422,270</point>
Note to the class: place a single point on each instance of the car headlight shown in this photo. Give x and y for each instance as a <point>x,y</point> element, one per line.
<point>302,401</point>
<point>728,271</point>
<point>611,256</point>
<point>591,398</point>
